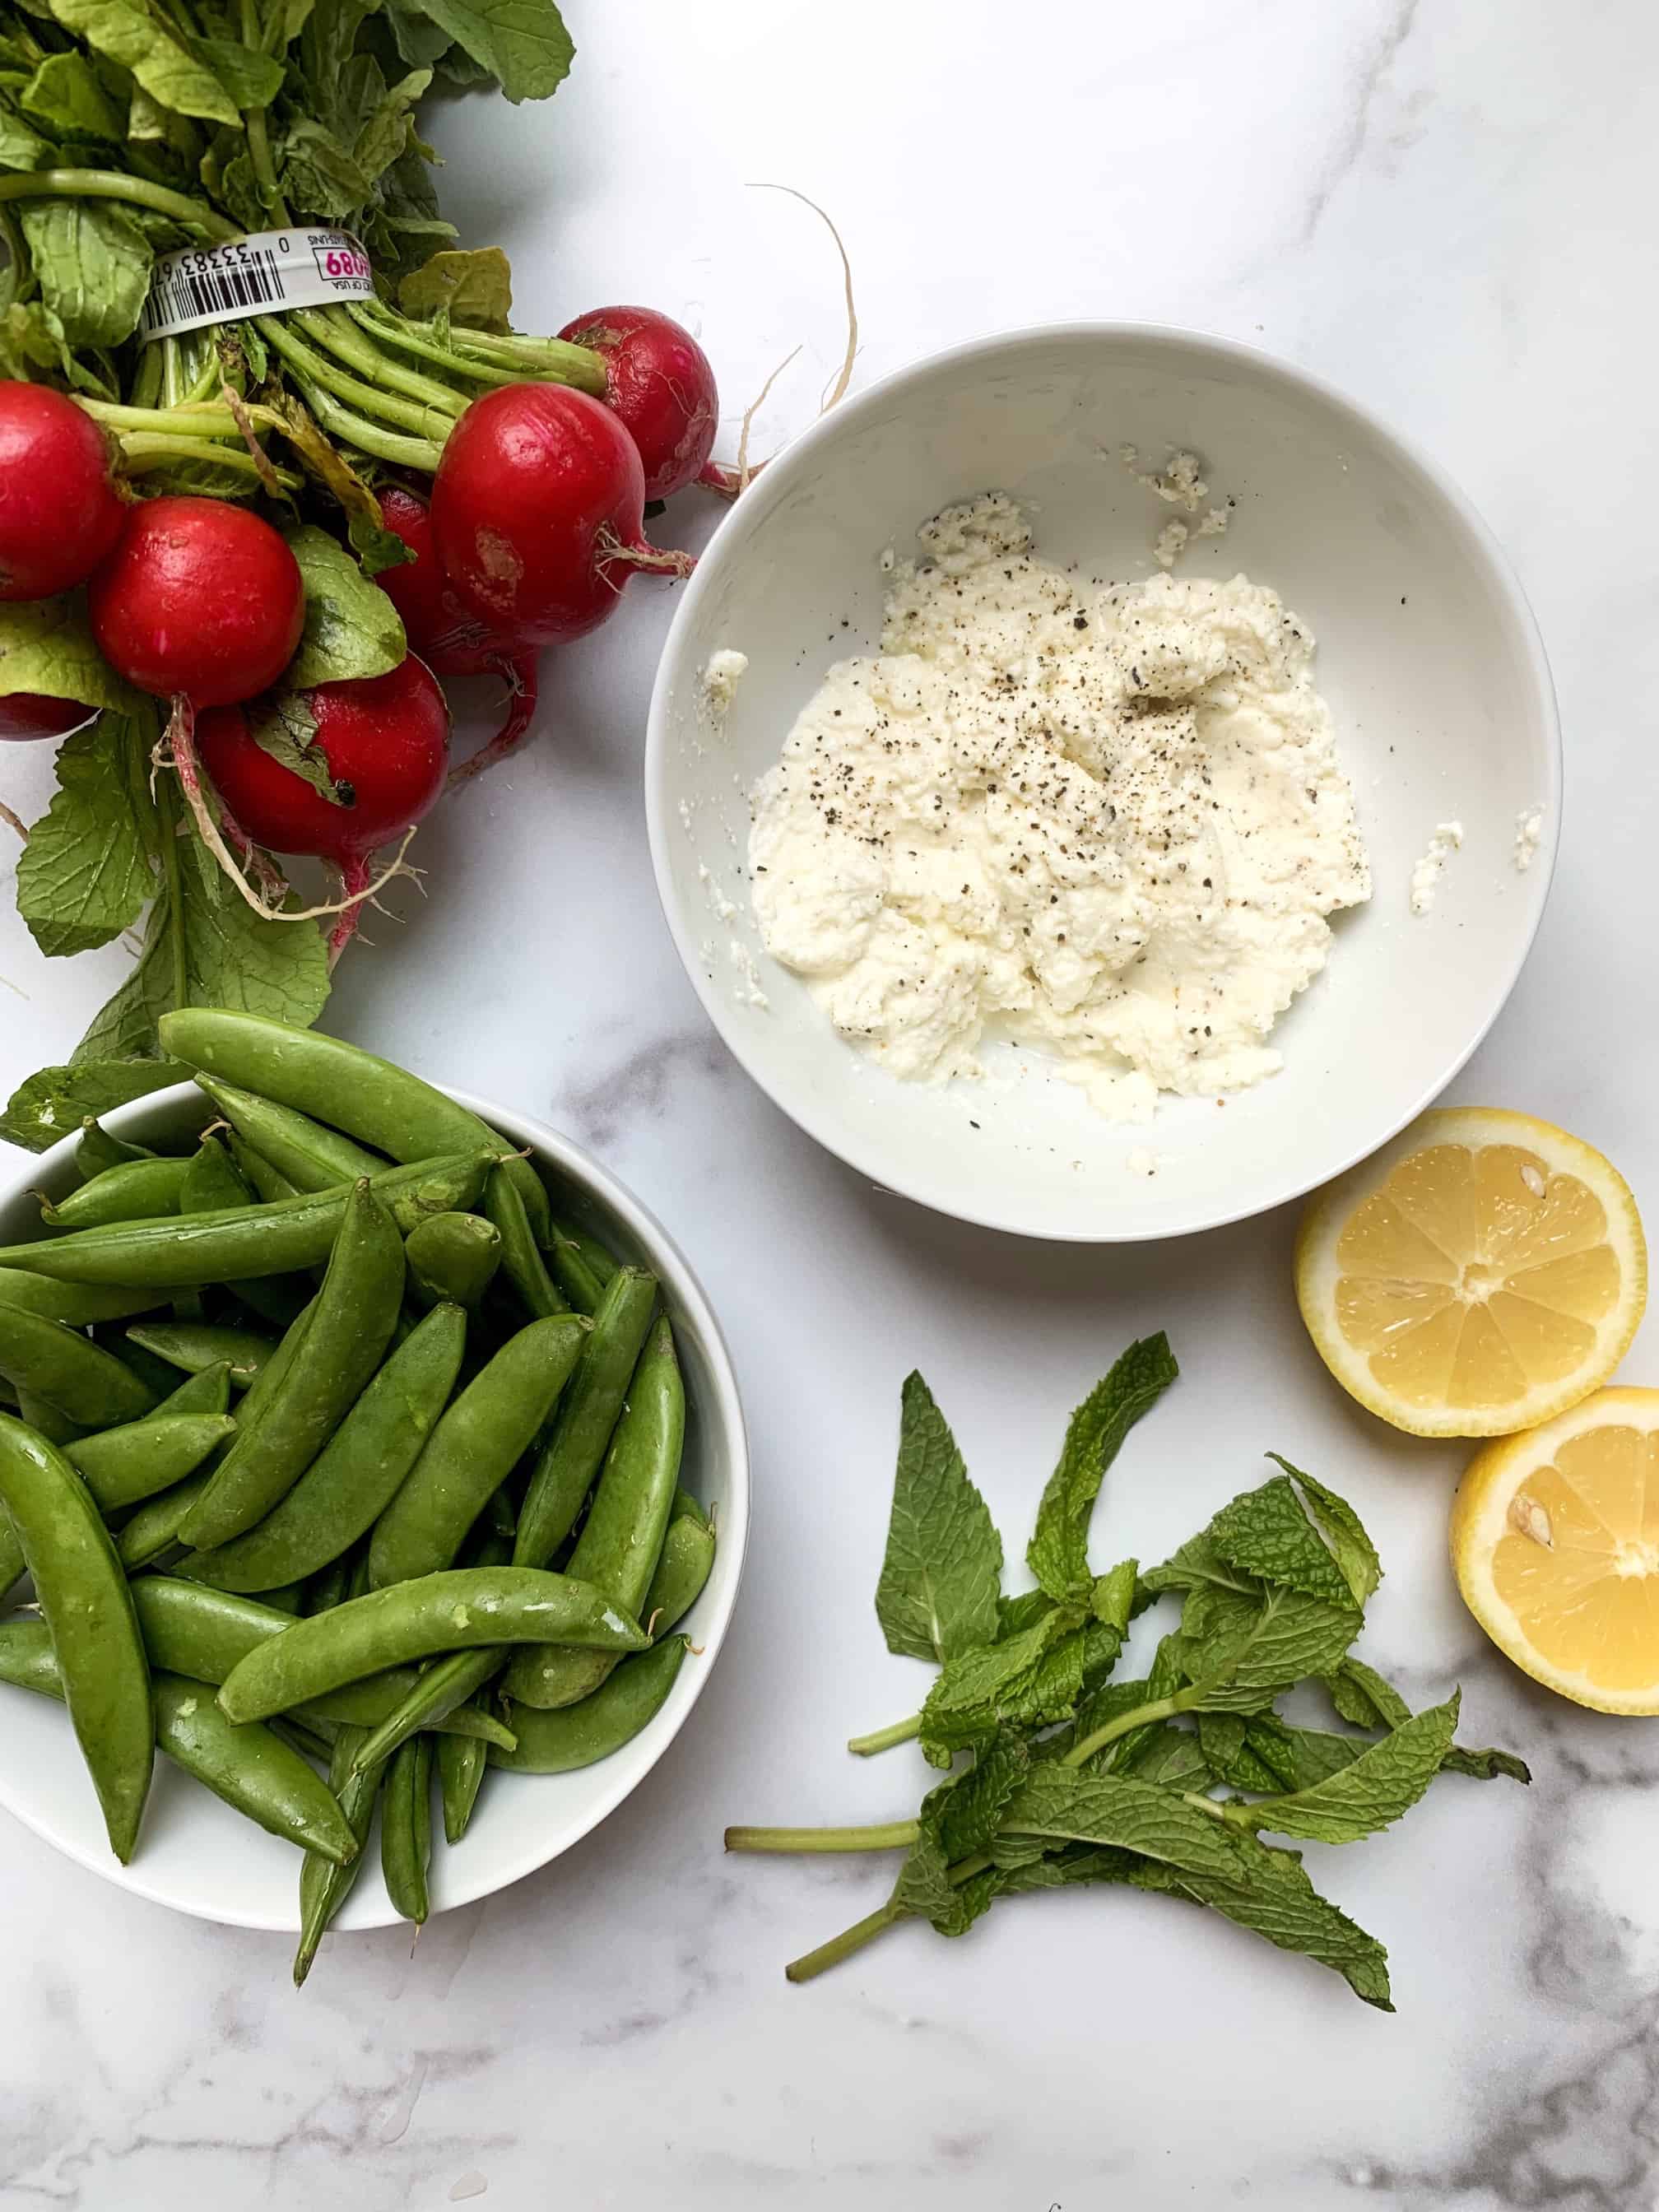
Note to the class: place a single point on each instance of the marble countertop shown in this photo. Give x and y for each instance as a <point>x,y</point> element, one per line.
<point>1446,209</point>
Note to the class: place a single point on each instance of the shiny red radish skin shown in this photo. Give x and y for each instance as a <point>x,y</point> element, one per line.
<point>200,600</point>
<point>538,512</point>
<point>659,382</point>
<point>386,742</point>
<point>27,714</point>
<point>439,626</point>
<point>60,511</point>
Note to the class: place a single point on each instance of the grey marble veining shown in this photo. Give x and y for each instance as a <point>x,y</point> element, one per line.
<point>1447,207</point>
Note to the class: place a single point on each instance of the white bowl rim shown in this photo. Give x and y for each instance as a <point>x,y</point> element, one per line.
<point>687,1295</point>
<point>773,487</point>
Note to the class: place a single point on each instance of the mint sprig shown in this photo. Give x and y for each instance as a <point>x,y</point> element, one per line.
<point>1167,1783</point>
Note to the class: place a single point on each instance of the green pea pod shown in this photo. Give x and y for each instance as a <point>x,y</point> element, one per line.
<point>367,1098</point>
<point>687,1508</point>
<point>48,1421</point>
<point>462,1760</point>
<point>582,1266</point>
<point>688,1559</point>
<point>136,1190</point>
<point>588,1412</point>
<point>51,1361</point>
<point>270,1184</point>
<point>474,1448</point>
<point>521,1259</point>
<point>84,1598</point>
<point>581,1736</point>
<point>79,1304</point>
<point>623,1537</point>
<point>153,1530</point>
<point>213,1183</point>
<point>328,1587</point>
<point>97,1149</point>
<point>125,1465</point>
<point>157,1378</point>
<point>289,1598</point>
<point>310,1739</point>
<point>325,1886</point>
<point>307,1155</point>
<point>206,1392</point>
<point>453,1256</point>
<point>406,1828</point>
<point>190,1629</point>
<point>248,1768</point>
<point>438,1697</point>
<point>244,1241</point>
<point>462,1609</point>
<point>358,1472</point>
<point>196,1344</point>
<point>349,1329</point>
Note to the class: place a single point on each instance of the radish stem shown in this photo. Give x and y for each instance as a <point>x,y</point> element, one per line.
<point>330,329</point>
<point>425,420</point>
<point>104,185</point>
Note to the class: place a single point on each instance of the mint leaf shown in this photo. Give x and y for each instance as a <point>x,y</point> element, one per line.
<point>133,36</point>
<point>1058,1554</point>
<point>1484,1765</point>
<point>1224,1739</point>
<point>1074,1866</point>
<point>1371,1791</point>
<point>1363,1696</point>
<point>93,264</point>
<point>1354,1551</point>
<point>1112,1600</point>
<point>52,1104</point>
<point>937,1595</point>
<point>47,645</point>
<point>283,725</point>
<point>474,288</point>
<point>352,629</point>
<point>1028,1679</point>
<point>1266,1533</point>
<point>1064,1802</point>
<point>958,1820</point>
<point>1197,1564</point>
<point>523,43</point>
<point>1234,1646</point>
<point>84,875</point>
<point>1273,1897</point>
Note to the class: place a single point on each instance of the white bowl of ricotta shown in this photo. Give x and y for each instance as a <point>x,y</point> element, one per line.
<point>1100,783</point>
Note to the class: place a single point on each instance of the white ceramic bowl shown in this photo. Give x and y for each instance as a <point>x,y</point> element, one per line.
<point>1427,653</point>
<point>201,1857</point>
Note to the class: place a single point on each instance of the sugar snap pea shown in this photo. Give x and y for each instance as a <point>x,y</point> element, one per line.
<point>437,1697</point>
<point>98,1148</point>
<point>462,1762</point>
<point>157,1378</point>
<point>343,1341</point>
<point>328,1587</point>
<point>51,1361</point>
<point>84,1598</point>
<point>453,1256</point>
<point>79,1304</point>
<point>122,1467</point>
<point>190,1628</point>
<point>309,1156</point>
<point>593,1401</point>
<point>267,1179</point>
<point>622,1538</point>
<point>256,1239</point>
<point>688,1557</point>
<point>152,1532</point>
<point>325,1886</point>
<point>212,1182</point>
<point>521,1260</point>
<point>206,1392</point>
<point>406,1828</point>
<point>357,1472</point>
<point>581,1265</point>
<point>46,1420</point>
<point>338,1083</point>
<point>582,1735</point>
<point>473,1449</point>
<point>193,1346</point>
<point>462,1609</point>
<point>135,1190</point>
<point>248,1768</point>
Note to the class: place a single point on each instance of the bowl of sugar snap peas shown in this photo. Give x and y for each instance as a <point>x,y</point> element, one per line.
<point>373,1489</point>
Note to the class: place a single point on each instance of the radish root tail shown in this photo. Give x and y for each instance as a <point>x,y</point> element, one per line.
<point>12,822</point>
<point>522,676</point>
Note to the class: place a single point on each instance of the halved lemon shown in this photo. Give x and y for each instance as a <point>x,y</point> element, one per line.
<point>1477,1276</point>
<point>1555,1543</point>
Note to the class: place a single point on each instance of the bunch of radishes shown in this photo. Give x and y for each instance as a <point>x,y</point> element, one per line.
<point>534,523</point>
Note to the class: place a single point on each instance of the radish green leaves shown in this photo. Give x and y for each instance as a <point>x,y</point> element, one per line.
<point>1166,1784</point>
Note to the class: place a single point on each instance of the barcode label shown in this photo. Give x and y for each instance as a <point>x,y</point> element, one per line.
<point>265,274</point>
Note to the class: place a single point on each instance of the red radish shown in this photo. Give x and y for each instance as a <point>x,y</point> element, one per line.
<point>381,745</point>
<point>538,512</point>
<point>60,512</point>
<point>446,634</point>
<point>659,380</point>
<point>200,600</point>
<point>25,714</point>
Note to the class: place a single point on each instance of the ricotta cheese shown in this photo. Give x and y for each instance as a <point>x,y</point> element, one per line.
<point>1107,821</point>
<point>1528,830</point>
<point>1425,875</point>
<point>721,675</point>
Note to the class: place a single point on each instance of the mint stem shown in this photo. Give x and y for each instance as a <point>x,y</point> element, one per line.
<point>843,1946</point>
<point>892,1836</point>
<point>885,1739</point>
<point>1160,1709</point>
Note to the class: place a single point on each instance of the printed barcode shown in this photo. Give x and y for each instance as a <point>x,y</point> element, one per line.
<point>241,289</point>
